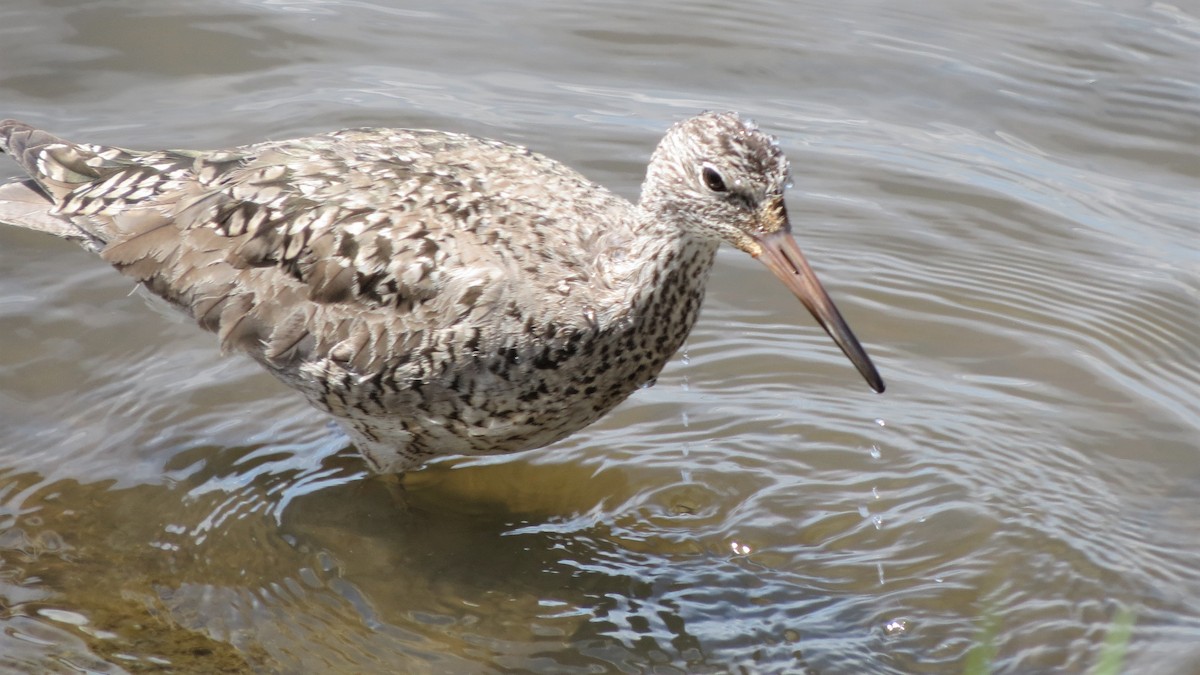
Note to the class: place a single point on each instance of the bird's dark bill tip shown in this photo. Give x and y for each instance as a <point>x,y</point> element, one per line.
<point>875,381</point>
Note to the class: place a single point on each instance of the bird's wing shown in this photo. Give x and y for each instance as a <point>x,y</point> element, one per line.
<point>361,245</point>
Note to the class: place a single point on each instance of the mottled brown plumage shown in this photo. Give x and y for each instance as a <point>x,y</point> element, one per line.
<point>434,292</point>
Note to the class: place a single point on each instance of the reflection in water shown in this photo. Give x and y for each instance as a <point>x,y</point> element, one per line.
<point>1002,198</point>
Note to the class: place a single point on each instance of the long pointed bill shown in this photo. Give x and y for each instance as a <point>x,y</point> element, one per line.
<point>782,256</point>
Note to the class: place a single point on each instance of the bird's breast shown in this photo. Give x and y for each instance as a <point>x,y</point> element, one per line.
<point>531,380</point>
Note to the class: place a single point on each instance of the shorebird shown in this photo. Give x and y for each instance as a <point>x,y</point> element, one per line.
<point>435,293</point>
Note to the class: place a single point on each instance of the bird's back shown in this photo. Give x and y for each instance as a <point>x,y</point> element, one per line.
<point>435,228</point>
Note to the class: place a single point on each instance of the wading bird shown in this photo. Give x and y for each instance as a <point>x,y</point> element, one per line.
<point>435,293</point>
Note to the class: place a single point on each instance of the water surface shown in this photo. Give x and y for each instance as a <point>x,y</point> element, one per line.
<point>1002,197</point>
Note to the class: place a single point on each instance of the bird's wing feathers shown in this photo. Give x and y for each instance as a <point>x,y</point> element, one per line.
<point>364,238</point>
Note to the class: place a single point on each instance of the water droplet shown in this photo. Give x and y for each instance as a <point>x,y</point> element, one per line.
<point>864,511</point>
<point>685,418</point>
<point>879,566</point>
<point>875,492</point>
<point>880,422</point>
<point>877,520</point>
<point>896,627</point>
<point>875,452</point>
<point>739,549</point>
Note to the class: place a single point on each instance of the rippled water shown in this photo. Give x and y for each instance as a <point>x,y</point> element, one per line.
<point>1003,198</point>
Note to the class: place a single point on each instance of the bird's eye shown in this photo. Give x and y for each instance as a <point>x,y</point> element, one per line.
<point>712,179</point>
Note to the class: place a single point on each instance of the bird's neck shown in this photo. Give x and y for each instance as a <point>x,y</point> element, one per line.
<point>667,274</point>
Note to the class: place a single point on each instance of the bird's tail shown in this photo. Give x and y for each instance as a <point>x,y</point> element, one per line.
<point>56,165</point>
<point>56,168</point>
<point>23,204</point>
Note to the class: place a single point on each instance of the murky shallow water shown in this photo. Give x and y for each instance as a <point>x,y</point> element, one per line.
<point>1003,199</point>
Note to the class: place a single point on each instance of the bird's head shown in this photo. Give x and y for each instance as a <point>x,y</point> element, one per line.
<point>718,177</point>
